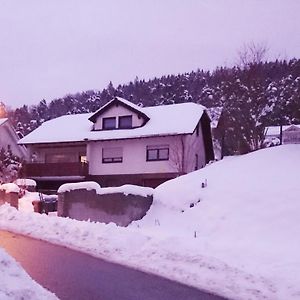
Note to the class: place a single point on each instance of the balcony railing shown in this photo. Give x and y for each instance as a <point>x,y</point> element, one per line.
<point>54,169</point>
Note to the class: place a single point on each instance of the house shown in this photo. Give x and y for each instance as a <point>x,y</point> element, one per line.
<point>290,134</point>
<point>9,139</point>
<point>120,143</point>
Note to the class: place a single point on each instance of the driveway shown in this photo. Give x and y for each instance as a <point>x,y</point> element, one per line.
<point>74,275</point>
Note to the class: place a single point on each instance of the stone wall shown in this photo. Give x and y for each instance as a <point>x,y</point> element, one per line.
<point>82,204</point>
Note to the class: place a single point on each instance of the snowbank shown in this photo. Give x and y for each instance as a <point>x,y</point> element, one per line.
<point>15,283</point>
<point>87,185</point>
<point>126,189</point>
<point>25,182</point>
<point>9,188</point>
<point>247,216</point>
<point>238,237</point>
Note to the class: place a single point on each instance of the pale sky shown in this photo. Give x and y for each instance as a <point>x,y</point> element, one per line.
<point>55,47</point>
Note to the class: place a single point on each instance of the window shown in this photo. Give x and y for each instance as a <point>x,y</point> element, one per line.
<point>125,122</point>
<point>157,152</point>
<point>112,155</point>
<point>109,123</point>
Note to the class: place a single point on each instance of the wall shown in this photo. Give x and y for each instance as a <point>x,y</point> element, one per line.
<point>118,208</point>
<point>11,198</point>
<point>117,111</point>
<point>194,144</point>
<point>134,157</point>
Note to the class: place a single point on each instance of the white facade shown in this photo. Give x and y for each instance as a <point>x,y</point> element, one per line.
<point>9,139</point>
<point>134,155</point>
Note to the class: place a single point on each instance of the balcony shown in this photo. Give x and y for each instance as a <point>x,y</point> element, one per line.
<point>54,169</point>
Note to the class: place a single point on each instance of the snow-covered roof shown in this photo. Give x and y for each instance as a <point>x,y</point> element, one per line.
<point>163,120</point>
<point>275,130</point>
<point>2,121</point>
<point>123,101</point>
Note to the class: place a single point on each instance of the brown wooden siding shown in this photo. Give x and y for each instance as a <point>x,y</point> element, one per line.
<point>54,169</point>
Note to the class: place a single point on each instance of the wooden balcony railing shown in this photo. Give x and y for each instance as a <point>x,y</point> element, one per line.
<point>54,169</point>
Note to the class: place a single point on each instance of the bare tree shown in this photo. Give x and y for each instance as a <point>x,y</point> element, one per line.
<point>252,53</point>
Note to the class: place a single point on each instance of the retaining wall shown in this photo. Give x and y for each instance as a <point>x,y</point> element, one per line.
<point>82,204</point>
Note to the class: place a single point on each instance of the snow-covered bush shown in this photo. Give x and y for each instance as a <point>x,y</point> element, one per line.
<point>9,165</point>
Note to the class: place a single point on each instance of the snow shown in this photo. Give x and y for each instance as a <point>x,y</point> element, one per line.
<point>3,120</point>
<point>25,182</point>
<point>25,203</point>
<point>214,114</point>
<point>238,236</point>
<point>74,128</point>
<point>88,185</point>
<point>126,189</point>
<point>9,188</point>
<point>16,284</point>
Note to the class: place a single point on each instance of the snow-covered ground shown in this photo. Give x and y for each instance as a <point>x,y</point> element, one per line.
<point>239,236</point>
<point>15,283</point>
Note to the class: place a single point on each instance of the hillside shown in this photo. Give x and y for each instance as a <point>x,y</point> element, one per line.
<point>252,97</point>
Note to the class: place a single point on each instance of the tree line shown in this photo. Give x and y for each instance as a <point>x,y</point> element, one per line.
<point>252,96</point>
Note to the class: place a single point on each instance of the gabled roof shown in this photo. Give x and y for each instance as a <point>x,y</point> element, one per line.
<point>119,101</point>
<point>164,120</point>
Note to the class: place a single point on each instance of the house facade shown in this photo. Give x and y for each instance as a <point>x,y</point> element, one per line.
<point>9,139</point>
<point>290,134</point>
<point>120,143</point>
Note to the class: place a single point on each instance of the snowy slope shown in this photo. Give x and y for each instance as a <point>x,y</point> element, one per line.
<point>248,215</point>
<point>242,239</point>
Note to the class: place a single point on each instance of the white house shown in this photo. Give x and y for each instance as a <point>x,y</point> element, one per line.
<point>9,139</point>
<point>120,143</point>
<point>290,134</point>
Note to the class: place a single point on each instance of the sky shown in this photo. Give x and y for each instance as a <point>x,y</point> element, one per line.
<point>52,48</point>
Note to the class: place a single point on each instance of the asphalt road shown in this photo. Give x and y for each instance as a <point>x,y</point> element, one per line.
<point>74,275</point>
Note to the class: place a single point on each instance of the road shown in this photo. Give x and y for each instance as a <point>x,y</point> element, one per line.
<point>74,275</point>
